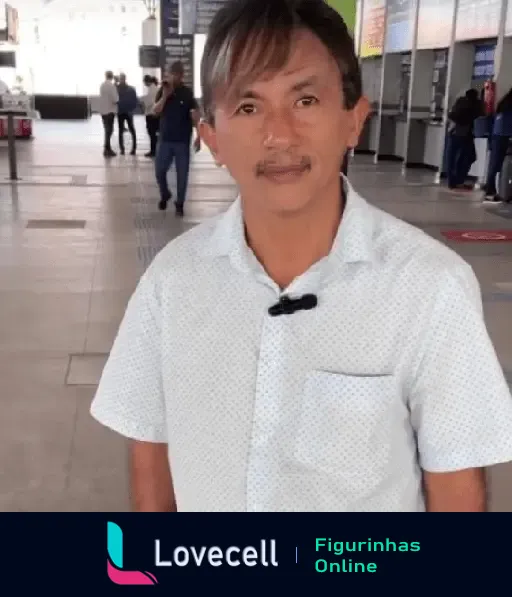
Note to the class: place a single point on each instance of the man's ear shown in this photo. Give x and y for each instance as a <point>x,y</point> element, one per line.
<point>209,136</point>
<point>360,113</point>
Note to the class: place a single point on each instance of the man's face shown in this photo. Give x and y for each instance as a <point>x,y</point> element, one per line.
<point>173,77</point>
<point>122,79</point>
<point>283,137</point>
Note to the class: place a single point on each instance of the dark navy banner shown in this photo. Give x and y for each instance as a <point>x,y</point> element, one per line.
<point>181,47</point>
<point>174,45</point>
<point>169,18</point>
<point>375,551</point>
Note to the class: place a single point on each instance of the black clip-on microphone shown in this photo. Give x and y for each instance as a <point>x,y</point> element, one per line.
<point>288,306</point>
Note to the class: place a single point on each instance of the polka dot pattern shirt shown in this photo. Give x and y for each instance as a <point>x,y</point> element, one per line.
<point>334,409</point>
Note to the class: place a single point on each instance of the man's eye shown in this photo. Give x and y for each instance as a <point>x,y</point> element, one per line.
<point>307,101</point>
<point>246,109</point>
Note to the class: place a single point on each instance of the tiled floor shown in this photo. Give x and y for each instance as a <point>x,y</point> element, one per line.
<point>75,235</point>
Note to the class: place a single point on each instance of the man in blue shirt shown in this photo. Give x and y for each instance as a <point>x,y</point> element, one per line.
<point>179,114</point>
<point>127,105</point>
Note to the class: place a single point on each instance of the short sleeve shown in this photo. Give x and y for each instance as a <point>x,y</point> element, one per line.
<point>461,406</point>
<point>130,398</point>
<point>194,105</point>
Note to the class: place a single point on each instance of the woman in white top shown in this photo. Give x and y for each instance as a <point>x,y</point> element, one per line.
<point>152,120</point>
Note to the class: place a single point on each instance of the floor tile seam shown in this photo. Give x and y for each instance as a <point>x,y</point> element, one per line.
<point>91,290</point>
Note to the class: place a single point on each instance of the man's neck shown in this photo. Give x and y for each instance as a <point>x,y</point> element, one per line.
<point>288,246</point>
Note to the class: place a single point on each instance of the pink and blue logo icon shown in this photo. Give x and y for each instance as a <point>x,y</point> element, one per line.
<point>116,571</point>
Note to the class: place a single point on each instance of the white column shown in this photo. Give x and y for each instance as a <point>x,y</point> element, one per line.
<point>412,76</point>
<point>502,58</point>
<point>378,130</point>
<point>452,57</point>
<point>150,37</point>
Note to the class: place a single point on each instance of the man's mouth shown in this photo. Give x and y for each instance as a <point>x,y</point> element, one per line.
<point>285,172</point>
<point>277,170</point>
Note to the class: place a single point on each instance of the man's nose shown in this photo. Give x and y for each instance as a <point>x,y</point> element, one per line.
<point>279,130</point>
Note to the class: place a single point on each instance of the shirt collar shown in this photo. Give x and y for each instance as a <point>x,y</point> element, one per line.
<point>353,242</point>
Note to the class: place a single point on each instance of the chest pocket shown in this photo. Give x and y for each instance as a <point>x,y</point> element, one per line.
<point>346,423</point>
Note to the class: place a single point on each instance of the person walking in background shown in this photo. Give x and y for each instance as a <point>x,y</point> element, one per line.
<point>179,114</point>
<point>108,107</point>
<point>128,103</point>
<point>148,102</point>
<point>499,146</point>
<point>461,142</point>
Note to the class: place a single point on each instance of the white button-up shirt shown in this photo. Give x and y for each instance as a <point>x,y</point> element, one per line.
<point>333,409</point>
<point>109,98</point>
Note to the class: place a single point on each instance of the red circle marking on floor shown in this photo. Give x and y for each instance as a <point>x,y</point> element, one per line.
<point>479,236</point>
<point>484,236</point>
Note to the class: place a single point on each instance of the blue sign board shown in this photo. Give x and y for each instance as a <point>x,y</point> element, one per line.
<point>483,64</point>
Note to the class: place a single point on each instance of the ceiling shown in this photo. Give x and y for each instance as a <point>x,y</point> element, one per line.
<point>36,9</point>
<point>33,9</point>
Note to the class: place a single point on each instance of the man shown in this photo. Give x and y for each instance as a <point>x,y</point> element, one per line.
<point>461,151</point>
<point>151,120</point>
<point>127,105</point>
<point>498,151</point>
<point>108,110</point>
<point>374,386</point>
<point>179,114</point>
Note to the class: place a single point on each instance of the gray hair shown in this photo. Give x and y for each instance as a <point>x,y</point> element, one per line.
<point>248,38</point>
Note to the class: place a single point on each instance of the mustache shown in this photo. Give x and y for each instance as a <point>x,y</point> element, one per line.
<point>278,165</point>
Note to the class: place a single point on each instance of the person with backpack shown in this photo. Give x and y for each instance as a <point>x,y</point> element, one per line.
<point>461,142</point>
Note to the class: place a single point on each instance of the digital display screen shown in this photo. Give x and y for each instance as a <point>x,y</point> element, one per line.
<point>478,19</point>
<point>435,24</point>
<point>400,25</point>
<point>372,34</point>
<point>8,59</point>
<point>508,22</point>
